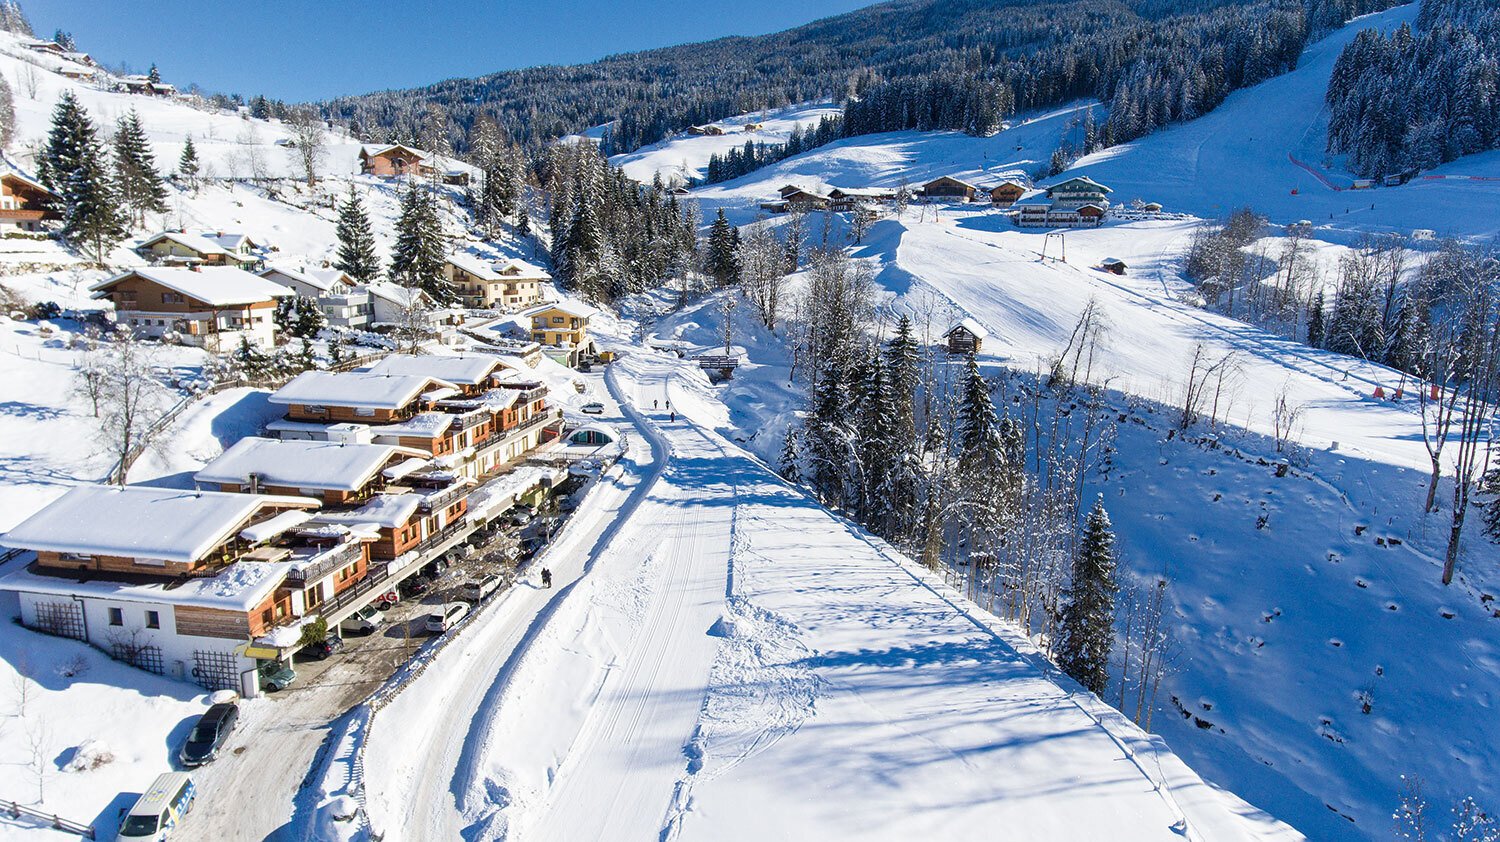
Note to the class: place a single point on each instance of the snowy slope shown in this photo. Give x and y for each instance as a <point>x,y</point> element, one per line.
<point>1243,152</point>
<point>685,157</point>
<point>739,664</point>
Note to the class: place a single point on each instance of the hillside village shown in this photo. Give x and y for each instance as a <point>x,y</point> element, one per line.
<point>497,493</point>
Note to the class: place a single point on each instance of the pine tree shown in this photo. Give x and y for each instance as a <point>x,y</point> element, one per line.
<point>723,251</point>
<point>187,165</point>
<point>356,255</point>
<point>153,75</point>
<point>876,415</point>
<point>1086,628</point>
<point>903,359</point>
<point>136,180</point>
<point>65,140</point>
<point>7,114</point>
<point>827,435</point>
<point>981,449</point>
<point>1315,327</point>
<point>417,258</point>
<point>76,164</point>
<point>787,463</point>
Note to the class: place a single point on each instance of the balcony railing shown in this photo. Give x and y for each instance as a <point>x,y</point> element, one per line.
<point>336,559</point>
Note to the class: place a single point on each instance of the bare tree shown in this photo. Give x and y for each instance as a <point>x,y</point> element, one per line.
<point>726,311</point>
<point>21,682</point>
<point>762,271</point>
<point>250,144</point>
<point>1411,816</point>
<point>1286,417</point>
<point>1083,345</point>
<point>309,141</point>
<point>36,736</point>
<point>130,401</point>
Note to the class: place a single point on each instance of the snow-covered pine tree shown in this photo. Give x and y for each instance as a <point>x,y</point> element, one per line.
<point>878,446</point>
<point>136,179</point>
<point>417,257</point>
<point>153,75</point>
<point>788,463</point>
<point>92,218</point>
<point>827,435</point>
<point>13,20</point>
<point>61,151</point>
<point>7,114</point>
<point>356,254</point>
<point>187,165</point>
<point>723,262</point>
<point>1086,629</point>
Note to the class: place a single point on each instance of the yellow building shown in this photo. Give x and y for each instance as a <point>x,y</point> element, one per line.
<point>563,327</point>
<point>510,285</point>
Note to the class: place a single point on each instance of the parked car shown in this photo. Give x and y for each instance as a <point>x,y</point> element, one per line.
<point>519,516</point>
<point>159,808</point>
<point>209,734</point>
<point>276,678</point>
<point>476,590</point>
<point>330,645</point>
<point>592,408</point>
<point>531,546</point>
<point>415,587</point>
<point>443,619</point>
<point>434,569</point>
<point>363,621</point>
<point>568,503</point>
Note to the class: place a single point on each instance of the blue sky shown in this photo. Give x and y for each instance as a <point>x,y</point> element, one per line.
<point>311,49</point>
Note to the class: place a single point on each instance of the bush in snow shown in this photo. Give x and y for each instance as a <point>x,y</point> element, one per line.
<point>90,755</point>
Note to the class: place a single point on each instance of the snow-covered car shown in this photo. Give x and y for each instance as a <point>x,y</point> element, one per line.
<point>519,517</point>
<point>592,408</point>
<point>275,679</point>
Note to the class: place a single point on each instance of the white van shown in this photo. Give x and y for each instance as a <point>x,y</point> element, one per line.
<point>477,590</point>
<point>158,811</point>
<point>443,619</point>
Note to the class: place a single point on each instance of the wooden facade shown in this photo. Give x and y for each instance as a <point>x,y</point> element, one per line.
<point>24,204</point>
<point>949,188</point>
<point>1007,193</point>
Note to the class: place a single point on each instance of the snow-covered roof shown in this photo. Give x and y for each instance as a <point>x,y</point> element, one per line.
<point>514,268</point>
<point>141,522</point>
<point>373,149</point>
<point>320,279</point>
<point>582,311</point>
<point>1081,180</point>
<point>204,244</point>
<point>954,179</point>
<point>274,527</point>
<point>467,370</point>
<point>33,184</point>
<point>396,294</point>
<point>298,463</point>
<point>385,510</point>
<point>217,286</point>
<point>1111,261</point>
<point>604,430</point>
<point>238,587</point>
<point>973,327</point>
<point>427,425</point>
<point>473,265</point>
<point>359,389</point>
<point>410,466</point>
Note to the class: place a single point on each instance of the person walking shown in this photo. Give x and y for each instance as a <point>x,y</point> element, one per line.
<point>546,578</point>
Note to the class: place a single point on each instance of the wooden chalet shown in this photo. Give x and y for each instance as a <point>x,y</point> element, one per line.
<point>1113,265</point>
<point>392,160</point>
<point>1007,193</point>
<point>26,204</point>
<point>212,307</point>
<point>948,188</point>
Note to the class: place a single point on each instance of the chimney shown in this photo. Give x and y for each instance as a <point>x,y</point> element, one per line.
<point>254,482</point>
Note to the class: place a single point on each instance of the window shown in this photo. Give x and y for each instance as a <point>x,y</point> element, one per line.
<point>364,411</point>
<point>171,298</point>
<point>557,320</point>
<point>153,619</point>
<point>116,617</point>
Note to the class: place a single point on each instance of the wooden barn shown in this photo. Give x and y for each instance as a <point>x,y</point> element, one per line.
<point>1007,193</point>
<point>966,337</point>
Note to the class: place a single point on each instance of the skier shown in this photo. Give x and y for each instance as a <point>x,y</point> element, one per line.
<point>674,416</point>
<point>655,404</point>
<point>546,578</point>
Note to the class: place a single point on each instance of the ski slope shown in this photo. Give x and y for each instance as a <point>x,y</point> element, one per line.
<point>739,664</point>
<point>684,158</point>
<point>1247,151</point>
